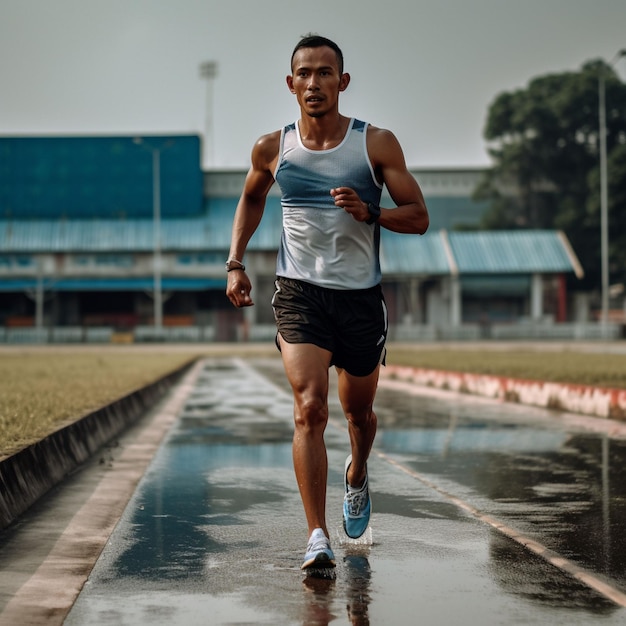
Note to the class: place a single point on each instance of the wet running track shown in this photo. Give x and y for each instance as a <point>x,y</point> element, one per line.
<point>483,513</point>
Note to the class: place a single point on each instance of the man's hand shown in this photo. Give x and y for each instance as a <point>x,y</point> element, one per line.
<point>348,200</point>
<point>238,288</point>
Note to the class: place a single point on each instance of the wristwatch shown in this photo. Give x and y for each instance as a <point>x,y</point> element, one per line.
<point>239,265</point>
<point>374,212</point>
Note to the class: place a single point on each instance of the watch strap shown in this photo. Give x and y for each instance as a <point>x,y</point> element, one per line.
<point>374,212</point>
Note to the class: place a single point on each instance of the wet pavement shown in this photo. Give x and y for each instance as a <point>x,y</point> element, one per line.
<point>215,532</point>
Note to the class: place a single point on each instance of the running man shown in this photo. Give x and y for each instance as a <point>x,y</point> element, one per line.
<point>328,304</point>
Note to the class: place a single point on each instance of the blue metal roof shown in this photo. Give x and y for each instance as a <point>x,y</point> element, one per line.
<point>211,231</point>
<point>114,284</point>
<point>412,254</point>
<point>220,213</point>
<point>101,235</point>
<point>514,252</point>
<point>436,253</point>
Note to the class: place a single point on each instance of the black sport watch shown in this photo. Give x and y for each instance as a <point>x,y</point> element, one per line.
<point>374,212</point>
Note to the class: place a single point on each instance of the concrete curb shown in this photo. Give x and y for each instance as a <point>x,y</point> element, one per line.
<point>30,473</point>
<point>583,399</point>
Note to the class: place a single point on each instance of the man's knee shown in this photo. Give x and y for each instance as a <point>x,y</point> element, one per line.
<point>311,411</point>
<point>362,417</point>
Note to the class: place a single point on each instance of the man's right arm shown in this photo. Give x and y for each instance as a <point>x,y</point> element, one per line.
<point>249,212</point>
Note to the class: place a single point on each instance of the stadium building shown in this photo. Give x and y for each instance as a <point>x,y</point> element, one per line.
<point>125,238</point>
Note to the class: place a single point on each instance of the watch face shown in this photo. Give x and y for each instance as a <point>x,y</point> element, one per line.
<point>374,212</point>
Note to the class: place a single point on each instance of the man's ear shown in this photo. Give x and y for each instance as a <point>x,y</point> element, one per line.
<point>344,81</point>
<point>289,80</point>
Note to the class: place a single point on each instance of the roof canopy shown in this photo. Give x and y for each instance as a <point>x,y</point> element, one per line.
<point>467,253</point>
<point>434,254</point>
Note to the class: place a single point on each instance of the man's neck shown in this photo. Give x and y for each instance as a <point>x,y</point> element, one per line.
<point>323,133</point>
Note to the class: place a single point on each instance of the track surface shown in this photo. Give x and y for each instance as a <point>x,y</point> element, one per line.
<point>483,513</point>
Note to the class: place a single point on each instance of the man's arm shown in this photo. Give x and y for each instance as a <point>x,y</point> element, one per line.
<point>248,215</point>
<point>410,215</point>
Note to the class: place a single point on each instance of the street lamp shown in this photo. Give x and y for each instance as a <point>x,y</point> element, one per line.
<point>604,191</point>
<point>208,71</point>
<point>156,226</point>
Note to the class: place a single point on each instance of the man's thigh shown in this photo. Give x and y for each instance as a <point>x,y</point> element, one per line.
<point>306,366</point>
<point>356,393</point>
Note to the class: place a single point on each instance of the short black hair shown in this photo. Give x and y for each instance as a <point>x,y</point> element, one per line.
<point>317,41</point>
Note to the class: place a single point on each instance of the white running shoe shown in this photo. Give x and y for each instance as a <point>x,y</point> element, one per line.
<point>318,552</point>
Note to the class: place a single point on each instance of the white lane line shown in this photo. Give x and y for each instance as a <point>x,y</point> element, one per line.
<point>585,576</point>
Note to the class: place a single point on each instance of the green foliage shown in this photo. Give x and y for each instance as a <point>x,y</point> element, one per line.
<point>544,141</point>
<point>616,167</point>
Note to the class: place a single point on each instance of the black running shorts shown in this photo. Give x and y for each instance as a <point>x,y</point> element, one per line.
<point>351,324</point>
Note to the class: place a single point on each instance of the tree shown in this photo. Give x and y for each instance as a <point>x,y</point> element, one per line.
<point>544,142</point>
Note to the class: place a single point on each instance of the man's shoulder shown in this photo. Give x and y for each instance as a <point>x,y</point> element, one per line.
<point>380,137</point>
<point>378,131</point>
<point>266,146</point>
<point>269,138</point>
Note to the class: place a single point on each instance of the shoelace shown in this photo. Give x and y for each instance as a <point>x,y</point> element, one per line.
<point>320,543</point>
<point>357,500</point>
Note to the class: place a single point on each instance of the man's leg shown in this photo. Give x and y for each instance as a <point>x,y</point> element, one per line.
<point>356,394</point>
<point>306,367</point>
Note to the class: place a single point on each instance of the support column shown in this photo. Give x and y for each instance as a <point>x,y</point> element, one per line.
<point>536,297</point>
<point>561,314</point>
<point>456,314</point>
<point>414,301</point>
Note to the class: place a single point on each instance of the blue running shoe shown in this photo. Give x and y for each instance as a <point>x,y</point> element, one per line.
<point>357,506</point>
<point>318,552</point>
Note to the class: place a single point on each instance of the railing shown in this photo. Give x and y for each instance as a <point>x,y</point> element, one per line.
<point>575,331</point>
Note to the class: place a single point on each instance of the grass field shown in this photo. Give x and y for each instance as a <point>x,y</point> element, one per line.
<point>41,389</point>
<point>569,366</point>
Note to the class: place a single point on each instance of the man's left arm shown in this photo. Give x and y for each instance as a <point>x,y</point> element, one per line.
<point>410,214</point>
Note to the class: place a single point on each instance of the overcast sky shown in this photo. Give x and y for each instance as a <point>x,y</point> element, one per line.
<point>425,69</point>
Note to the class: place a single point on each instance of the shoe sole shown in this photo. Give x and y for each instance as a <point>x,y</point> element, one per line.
<point>319,561</point>
<point>345,530</point>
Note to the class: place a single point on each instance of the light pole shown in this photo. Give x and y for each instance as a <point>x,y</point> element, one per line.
<point>208,71</point>
<point>156,226</point>
<point>604,192</point>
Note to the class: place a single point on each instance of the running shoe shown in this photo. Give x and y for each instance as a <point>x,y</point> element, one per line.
<point>357,506</point>
<point>318,552</point>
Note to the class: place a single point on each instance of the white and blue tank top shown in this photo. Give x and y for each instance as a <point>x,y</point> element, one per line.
<point>320,242</point>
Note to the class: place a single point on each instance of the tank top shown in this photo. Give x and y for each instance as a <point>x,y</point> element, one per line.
<point>321,243</point>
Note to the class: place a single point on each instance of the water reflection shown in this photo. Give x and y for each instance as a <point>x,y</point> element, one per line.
<point>174,523</point>
<point>358,574</point>
<point>321,593</point>
<point>186,496</point>
<point>566,488</point>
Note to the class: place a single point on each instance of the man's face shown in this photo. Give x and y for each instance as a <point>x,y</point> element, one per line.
<point>316,81</point>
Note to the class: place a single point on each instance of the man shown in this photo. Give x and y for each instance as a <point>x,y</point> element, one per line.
<point>328,304</point>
